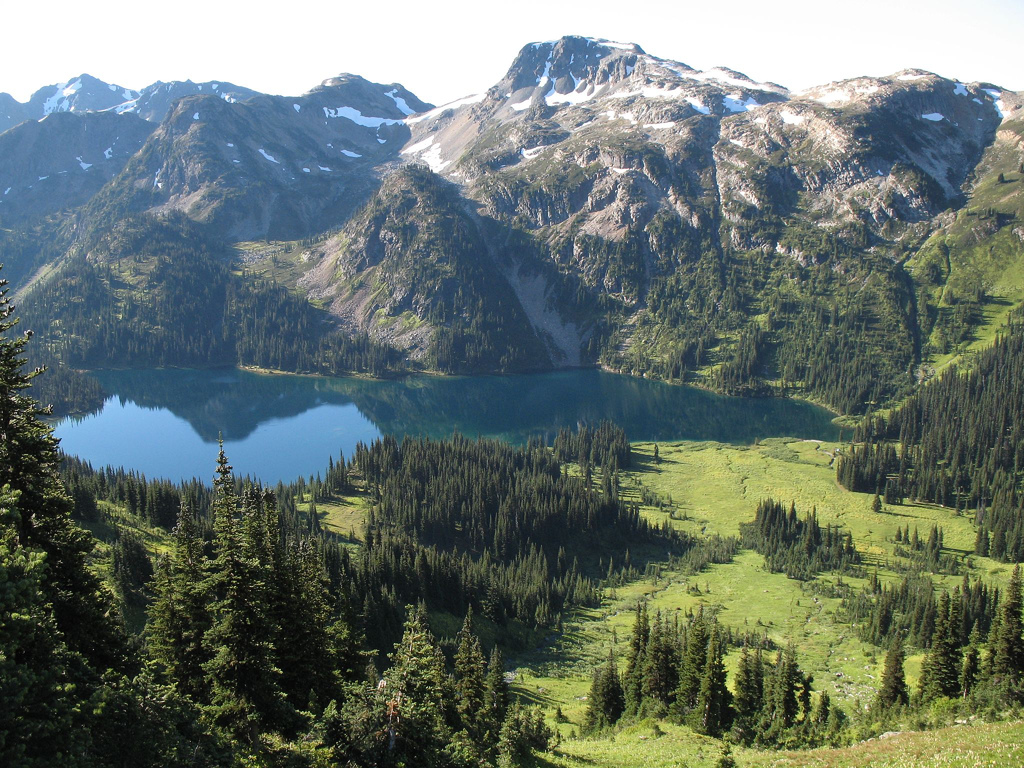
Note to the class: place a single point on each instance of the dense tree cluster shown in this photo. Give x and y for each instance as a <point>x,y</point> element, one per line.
<point>907,610</point>
<point>960,443</point>
<point>676,669</point>
<point>507,530</point>
<point>985,667</point>
<point>603,446</point>
<point>800,548</point>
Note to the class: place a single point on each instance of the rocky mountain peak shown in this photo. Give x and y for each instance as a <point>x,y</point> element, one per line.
<point>84,93</point>
<point>560,66</point>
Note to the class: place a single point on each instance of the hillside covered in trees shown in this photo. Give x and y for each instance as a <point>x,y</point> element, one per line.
<point>959,442</point>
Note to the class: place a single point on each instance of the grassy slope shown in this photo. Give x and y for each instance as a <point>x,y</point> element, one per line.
<point>999,745</point>
<point>713,488</point>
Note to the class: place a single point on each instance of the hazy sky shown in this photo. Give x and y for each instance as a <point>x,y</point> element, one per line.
<point>443,50</point>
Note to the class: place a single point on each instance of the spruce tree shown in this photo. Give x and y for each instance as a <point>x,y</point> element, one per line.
<point>893,690</point>
<point>711,716</point>
<point>660,670</point>
<point>470,672</point>
<point>1008,646</point>
<point>780,699</point>
<point>37,716</point>
<point>245,694</point>
<point>496,695</point>
<point>749,694</point>
<point>940,672</point>
<point>312,643</point>
<point>419,698</point>
<point>632,675</point>
<point>691,672</point>
<point>29,463</point>
<point>606,702</point>
<point>179,616</point>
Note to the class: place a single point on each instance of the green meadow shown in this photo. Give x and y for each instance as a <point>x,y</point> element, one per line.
<point>709,488</point>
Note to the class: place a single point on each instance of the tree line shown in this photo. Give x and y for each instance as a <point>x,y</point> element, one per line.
<point>959,442</point>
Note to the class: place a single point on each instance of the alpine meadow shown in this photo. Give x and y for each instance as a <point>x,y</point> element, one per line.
<point>779,523</point>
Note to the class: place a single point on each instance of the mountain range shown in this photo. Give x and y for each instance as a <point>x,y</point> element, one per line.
<point>596,205</point>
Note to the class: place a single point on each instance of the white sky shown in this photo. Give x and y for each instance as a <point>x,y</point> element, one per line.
<point>449,48</point>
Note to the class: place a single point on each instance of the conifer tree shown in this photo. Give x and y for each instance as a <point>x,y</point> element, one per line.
<point>940,672</point>
<point>310,641</point>
<point>691,672</point>
<point>470,672</point>
<point>749,696</point>
<point>496,695</point>
<point>712,713</point>
<point>36,714</point>
<point>969,670</point>
<point>29,464</point>
<point>780,699</point>
<point>606,702</point>
<point>180,617</point>
<point>1008,646</point>
<point>245,694</point>
<point>660,670</point>
<point>419,698</point>
<point>632,675</point>
<point>893,690</point>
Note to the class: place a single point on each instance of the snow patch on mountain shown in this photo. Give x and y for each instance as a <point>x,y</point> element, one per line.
<point>735,102</point>
<point>553,98</point>
<point>60,100</point>
<point>697,104</point>
<point>268,156</point>
<point>357,117</point>
<point>998,103</point>
<point>429,152</point>
<point>403,107</point>
<point>437,111</point>
<point>419,146</point>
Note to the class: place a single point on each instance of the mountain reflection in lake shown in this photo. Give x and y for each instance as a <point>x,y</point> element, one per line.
<point>165,423</point>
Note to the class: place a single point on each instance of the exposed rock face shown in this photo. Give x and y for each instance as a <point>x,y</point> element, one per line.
<point>592,202</point>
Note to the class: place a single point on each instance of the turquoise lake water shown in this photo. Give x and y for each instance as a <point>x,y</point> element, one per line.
<point>165,423</point>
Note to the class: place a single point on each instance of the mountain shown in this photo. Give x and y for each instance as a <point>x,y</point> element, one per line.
<point>270,166</point>
<point>86,93</point>
<point>63,160</point>
<point>596,205</point>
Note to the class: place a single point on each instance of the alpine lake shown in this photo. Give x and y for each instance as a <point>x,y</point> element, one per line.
<point>278,427</point>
